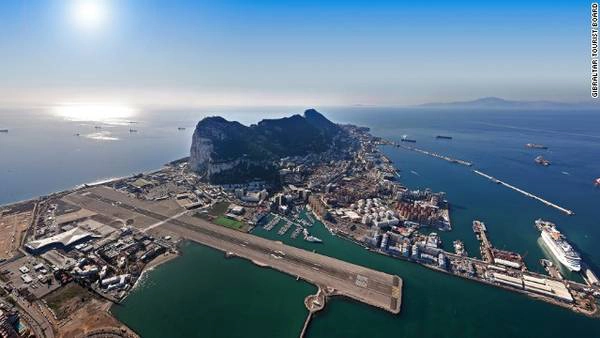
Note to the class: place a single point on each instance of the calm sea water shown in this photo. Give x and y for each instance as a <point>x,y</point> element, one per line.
<point>202,294</point>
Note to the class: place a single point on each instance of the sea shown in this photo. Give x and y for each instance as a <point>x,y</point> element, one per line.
<point>203,294</point>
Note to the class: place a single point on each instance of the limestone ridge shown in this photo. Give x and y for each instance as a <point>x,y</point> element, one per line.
<point>229,152</point>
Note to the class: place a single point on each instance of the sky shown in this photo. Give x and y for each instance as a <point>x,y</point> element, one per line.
<point>226,52</point>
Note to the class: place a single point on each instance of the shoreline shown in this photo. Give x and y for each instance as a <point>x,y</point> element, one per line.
<point>153,264</point>
<point>590,314</point>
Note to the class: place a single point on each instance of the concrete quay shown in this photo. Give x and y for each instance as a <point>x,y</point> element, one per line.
<point>365,285</point>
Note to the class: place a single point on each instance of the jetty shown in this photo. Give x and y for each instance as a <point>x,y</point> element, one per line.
<point>528,194</point>
<point>436,155</point>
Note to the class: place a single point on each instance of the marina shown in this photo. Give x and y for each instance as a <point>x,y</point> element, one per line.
<point>284,228</point>
<point>272,223</point>
<point>528,194</point>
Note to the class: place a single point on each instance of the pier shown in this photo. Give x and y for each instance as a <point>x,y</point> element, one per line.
<point>528,194</point>
<point>313,303</point>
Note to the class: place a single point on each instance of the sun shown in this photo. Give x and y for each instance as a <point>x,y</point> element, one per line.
<point>89,14</point>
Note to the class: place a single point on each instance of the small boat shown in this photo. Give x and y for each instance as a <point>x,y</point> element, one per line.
<point>181,128</point>
<point>597,182</point>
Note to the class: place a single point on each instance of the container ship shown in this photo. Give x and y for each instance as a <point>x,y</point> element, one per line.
<point>558,245</point>
<point>541,160</point>
<point>443,137</point>
<point>536,146</point>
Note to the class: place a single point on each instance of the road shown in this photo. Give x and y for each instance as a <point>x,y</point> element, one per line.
<point>36,320</point>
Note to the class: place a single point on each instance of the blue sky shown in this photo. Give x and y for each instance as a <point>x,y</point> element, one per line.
<point>193,53</point>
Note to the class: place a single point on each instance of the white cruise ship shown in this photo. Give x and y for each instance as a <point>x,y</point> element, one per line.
<point>558,245</point>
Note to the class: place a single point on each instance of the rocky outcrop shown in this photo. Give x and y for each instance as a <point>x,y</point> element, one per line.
<point>225,150</point>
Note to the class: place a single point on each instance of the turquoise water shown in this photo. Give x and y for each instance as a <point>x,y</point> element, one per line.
<point>199,294</point>
<point>203,294</point>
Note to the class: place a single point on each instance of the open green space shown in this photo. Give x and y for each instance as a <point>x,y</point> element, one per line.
<point>228,222</point>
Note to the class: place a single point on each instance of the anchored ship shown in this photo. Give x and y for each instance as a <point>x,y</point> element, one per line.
<point>541,160</point>
<point>406,139</point>
<point>444,137</point>
<point>558,245</point>
<point>536,146</point>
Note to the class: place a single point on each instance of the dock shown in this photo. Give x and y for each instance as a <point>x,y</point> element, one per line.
<point>528,194</point>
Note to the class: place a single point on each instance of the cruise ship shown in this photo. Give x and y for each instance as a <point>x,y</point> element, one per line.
<point>558,245</point>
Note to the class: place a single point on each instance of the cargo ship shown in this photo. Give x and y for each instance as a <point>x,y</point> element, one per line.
<point>406,139</point>
<point>536,146</point>
<point>558,245</point>
<point>3,130</point>
<point>541,160</point>
<point>443,137</point>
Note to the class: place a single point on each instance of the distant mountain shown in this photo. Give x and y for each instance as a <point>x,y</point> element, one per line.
<point>229,152</point>
<point>499,103</point>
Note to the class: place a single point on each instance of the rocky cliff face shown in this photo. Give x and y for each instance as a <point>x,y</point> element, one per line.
<point>228,152</point>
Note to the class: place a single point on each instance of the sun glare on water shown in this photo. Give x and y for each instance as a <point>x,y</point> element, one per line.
<point>107,113</point>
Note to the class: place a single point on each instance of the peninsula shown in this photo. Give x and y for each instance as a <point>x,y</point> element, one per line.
<point>73,254</point>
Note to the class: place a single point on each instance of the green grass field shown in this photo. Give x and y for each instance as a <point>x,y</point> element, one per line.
<point>228,222</point>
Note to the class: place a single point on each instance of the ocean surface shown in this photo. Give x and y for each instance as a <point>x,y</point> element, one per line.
<point>202,294</point>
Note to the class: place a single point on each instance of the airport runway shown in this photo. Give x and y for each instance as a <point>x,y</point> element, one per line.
<point>360,283</point>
